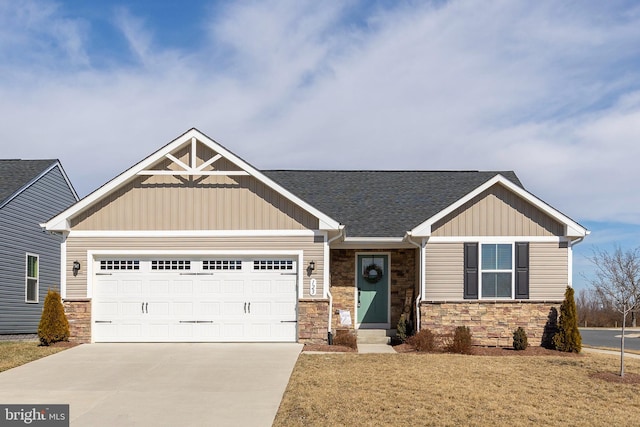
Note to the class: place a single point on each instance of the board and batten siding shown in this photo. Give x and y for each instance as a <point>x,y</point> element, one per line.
<point>20,227</point>
<point>497,212</point>
<point>163,202</point>
<point>77,248</point>
<point>444,271</point>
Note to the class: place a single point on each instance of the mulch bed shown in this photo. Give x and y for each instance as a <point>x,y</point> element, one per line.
<point>63,344</point>
<point>628,378</point>
<point>329,348</point>
<point>477,351</point>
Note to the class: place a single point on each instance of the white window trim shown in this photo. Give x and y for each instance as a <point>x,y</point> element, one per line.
<point>512,270</point>
<point>27,277</point>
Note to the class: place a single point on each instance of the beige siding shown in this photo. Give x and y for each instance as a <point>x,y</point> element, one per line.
<point>444,271</point>
<point>207,203</point>
<point>548,271</point>
<point>497,212</point>
<point>77,248</point>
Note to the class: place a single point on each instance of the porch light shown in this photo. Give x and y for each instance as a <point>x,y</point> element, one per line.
<point>312,265</point>
<point>76,267</point>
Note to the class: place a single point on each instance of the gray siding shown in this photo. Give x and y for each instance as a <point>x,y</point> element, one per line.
<point>21,233</point>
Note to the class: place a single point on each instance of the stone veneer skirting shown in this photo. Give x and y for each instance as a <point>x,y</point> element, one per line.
<point>492,323</point>
<point>78,313</point>
<point>313,318</point>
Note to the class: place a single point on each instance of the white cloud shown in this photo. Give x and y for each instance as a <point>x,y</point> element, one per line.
<point>548,90</point>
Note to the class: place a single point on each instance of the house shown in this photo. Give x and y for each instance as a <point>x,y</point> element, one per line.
<point>195,244</point>
<point>31,191</point>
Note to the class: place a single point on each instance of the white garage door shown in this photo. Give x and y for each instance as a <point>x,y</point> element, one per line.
<point>195,300</point>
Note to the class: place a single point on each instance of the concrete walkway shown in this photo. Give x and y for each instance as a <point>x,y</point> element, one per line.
<point>375,348</point>
<point>158,384</point>
<point>610,352</point>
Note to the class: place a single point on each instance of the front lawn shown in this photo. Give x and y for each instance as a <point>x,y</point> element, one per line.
<point>447,389</point>
<point>16,353</point>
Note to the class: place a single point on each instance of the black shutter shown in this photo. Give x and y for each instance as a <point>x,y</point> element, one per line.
<point>470,271</point>
<point>522,270</point>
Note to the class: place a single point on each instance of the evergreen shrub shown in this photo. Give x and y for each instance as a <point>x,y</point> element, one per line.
<point>54,325</point>
<point>568,337</point>
<point>520,339</point>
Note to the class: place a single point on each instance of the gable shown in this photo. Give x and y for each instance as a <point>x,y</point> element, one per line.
<point>497,211</point>
<point>165,202</point>
<point>192,183</point>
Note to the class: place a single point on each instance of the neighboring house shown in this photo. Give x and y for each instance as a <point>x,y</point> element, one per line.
<point>31,191</point>
<point>195,244</point>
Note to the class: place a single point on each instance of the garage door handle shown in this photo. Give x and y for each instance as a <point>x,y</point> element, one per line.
<point>142,308</point>
<point>146,307</point>
<point>249,307</point>
<point>188,321</point>
<point>245,308</point>
<point>103,321</point>
<point>288,321</point>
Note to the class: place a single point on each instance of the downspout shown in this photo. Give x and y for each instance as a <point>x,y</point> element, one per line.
<point>329,334</point>
<point>571,245</point>
<point>421,278</point>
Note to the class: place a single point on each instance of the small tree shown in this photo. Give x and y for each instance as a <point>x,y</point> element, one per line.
<point>617,281</point>
<point>568,337</point>
<point>54,325</point>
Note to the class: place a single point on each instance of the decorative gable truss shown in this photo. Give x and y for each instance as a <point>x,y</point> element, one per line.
<point>189,166</point>
<point>191,157</point>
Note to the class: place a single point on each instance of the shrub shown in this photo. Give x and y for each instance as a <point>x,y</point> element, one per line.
<point>424,340</point>
<point>520,339</point>
<point>346,337</point>
<point>461,342</point>
<point>403,329</point>
<point>53,326</point>
<point>568,337</point>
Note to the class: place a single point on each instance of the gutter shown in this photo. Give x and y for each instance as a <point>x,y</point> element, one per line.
<point>421,271</point>
<point>340,235</point>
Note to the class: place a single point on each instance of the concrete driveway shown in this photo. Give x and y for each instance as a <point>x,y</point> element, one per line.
<point>158,384</point>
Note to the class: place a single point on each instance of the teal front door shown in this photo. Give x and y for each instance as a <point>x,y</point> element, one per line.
<point>373,288</point>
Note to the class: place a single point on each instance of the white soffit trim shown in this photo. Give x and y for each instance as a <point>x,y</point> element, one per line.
<point>61,221</point>
<point>496,239</point>
<point>372,243</point>
<point>572,228</point>
<point>191,233</point>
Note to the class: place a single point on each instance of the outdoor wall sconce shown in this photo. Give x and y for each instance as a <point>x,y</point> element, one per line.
<point>76,267</point>
<point>312,265</point>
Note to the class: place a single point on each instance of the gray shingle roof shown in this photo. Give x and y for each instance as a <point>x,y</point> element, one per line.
<point>382,203</point>
<point>15,174</point>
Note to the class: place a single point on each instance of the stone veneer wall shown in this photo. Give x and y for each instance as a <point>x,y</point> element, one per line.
<point>78,313</point>
<point>492,323</point>
<point>343,281</point>
<point>313,319</point>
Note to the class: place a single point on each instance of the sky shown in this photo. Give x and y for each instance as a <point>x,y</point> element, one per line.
<point>550,90</point>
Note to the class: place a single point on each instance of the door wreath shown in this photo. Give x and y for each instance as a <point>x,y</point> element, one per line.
<point>372,273</point>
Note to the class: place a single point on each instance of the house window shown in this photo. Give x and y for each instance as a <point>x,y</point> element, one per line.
<point>497,270</point>
<point>32,278</point>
